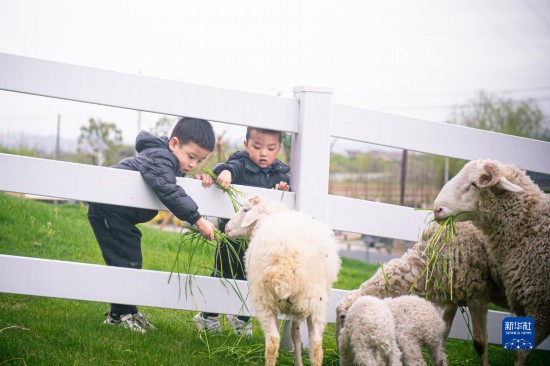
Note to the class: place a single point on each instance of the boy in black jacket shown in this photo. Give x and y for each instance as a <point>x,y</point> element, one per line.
<point>256,166</point>
<point>160,161</point>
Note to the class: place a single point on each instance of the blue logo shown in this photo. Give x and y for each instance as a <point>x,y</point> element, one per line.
<point>518,333</point>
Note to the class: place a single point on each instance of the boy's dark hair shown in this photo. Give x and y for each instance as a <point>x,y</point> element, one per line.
<point>264,130</point>
<point>196,130</point>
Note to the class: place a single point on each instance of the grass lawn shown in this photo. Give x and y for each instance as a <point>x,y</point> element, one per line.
<point>48,331</point>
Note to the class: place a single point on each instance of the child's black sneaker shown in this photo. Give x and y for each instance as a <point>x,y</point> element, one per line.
<point>135,322</point>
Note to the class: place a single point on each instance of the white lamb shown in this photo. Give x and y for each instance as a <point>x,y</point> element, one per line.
<point>417,323</point>
<point>388,331</point>
<point>291,263</point>
<point>503,202</point>
<point>475,282</point>
<point>369,338</point>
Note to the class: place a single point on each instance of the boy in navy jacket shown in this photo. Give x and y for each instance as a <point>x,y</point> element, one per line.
<point>255,166</point>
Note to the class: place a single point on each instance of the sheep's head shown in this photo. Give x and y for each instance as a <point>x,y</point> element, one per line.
<point>341,311</point>
<point>243,222</point>
<point>460,196</point>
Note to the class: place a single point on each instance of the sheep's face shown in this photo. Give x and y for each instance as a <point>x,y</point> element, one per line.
<point>341,310</point>
<point>243,222</point>
<point>339,325</point>
<point>460,196</point>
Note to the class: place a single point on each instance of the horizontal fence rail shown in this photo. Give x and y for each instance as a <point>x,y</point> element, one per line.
<point>374,218</point>
<point>127,188</point>
<point>438,138</point>
<point>116,89</point>
<point>91,282</point>
<point>114,186</point>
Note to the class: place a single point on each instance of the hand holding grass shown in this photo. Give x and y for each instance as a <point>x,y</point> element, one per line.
<point>206,228</point>
<point>207,180</point>
<point>224,178</point>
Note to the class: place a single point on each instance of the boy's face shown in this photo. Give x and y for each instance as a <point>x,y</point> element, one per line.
<point>262,148</point>
<point>189,155</point>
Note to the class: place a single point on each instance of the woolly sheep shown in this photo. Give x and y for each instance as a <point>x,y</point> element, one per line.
<point>291,263</point>
<point>369,338</point>
<point>386,332</point>
<point>475,282</point>
<point>417,323</point>
<point>503,202</point>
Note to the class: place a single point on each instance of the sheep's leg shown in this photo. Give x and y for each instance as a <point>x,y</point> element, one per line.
<point>412,353</point>
<point>479,324</point>
<point>448,315</point>
<point>541,332</point>
<point>297,340</point>
<point>315,327</point>
<point>437,351</point>
<point>270,326</point>
<point>346,355</point>
<point>520,358</point>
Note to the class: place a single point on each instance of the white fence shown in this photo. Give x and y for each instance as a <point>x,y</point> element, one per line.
<point>310,115</point>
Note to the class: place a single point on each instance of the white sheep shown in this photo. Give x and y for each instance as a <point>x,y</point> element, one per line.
<point>475,282</point>
<point>417,323</point>
<point>291,263</point>
<point>369,338</point>
<point>503,202</point>
<point>388,331</point>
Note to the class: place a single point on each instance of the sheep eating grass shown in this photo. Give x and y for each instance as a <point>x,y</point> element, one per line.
<point>475,282</point>
<point>291,263</point>
<point>503,202</point>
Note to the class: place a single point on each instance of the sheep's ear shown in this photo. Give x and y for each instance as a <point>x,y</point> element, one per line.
<point>255,199</point>
<point>488,176</point>
<point>250,218</point>
<point>506,185</point>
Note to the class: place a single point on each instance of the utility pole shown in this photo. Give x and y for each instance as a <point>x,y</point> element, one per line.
<point>446,172</point>
<point>139,116</point>
<point>58,137</point>
<point>403,178</point>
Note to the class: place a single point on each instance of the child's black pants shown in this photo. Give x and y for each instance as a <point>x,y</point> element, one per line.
<point>119,239</point>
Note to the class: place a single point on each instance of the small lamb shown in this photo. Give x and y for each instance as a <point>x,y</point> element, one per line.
<point>505,204</point>
<point>369,338</point>
<point>291,263</point>
<point>418,323</point>
<point>374,328</point>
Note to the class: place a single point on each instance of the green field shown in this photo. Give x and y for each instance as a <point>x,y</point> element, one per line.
<point>48,331</point>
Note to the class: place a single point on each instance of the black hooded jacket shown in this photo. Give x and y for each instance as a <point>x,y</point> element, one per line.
<point>159,167</point>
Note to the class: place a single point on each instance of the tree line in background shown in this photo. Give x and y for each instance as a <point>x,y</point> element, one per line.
<point>382,175</point>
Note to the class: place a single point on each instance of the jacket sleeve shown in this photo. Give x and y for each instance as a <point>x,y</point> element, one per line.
<point>158,171</point>
<point>235,167</point>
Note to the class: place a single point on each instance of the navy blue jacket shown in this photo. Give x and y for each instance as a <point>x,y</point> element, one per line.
<point>246,173</point>
<point>159,167</point>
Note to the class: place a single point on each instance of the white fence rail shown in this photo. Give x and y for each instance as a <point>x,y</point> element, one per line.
<point>310,115</point>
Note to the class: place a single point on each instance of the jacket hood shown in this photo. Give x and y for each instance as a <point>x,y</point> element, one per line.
<point>146,140</point>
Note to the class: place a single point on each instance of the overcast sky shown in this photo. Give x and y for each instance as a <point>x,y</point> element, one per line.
<point>411,57</point>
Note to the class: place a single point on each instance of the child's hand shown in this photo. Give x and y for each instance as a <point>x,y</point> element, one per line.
<point>206,179</point>
<point>206,228</point>
<point>282,186</point>
<point>224,179</point>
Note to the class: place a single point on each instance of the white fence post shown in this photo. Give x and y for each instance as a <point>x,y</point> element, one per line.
<point>310,158</point>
